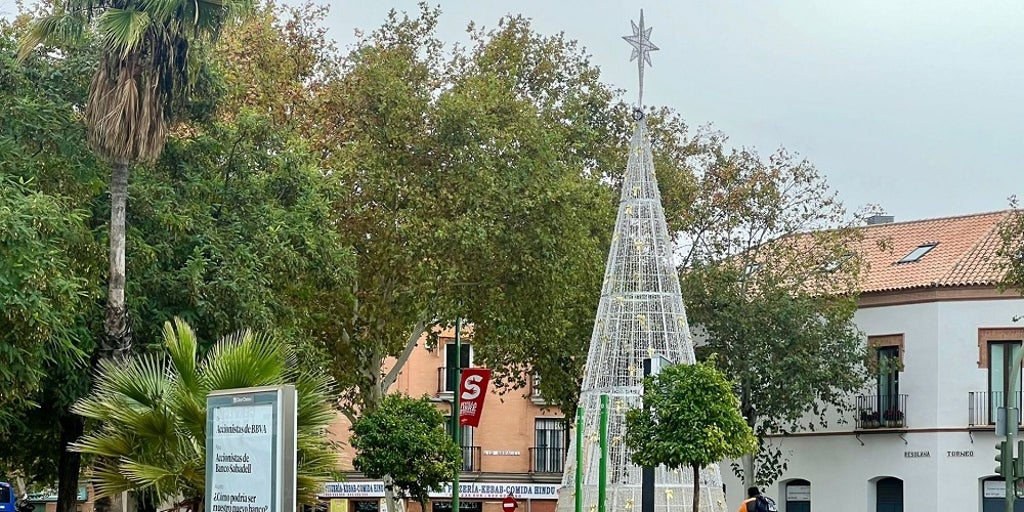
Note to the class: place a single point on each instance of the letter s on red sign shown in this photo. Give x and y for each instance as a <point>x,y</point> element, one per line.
<point>472,386</point>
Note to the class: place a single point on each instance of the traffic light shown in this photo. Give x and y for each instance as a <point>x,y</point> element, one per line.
<point>1018,461</point>
<point>1004,457</point>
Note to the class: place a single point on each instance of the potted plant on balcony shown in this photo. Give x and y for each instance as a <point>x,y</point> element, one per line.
<point>893,418</point>
<point>869,419</point>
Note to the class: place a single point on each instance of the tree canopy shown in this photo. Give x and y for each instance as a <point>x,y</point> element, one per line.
<point>1011,250</point>
<point>403,441</point>
<point>770,284</point>
<point>690,418</point>
<point>469,185</point>
<point>49,260</point>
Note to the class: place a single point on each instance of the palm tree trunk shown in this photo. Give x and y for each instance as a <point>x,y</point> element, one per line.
<point>117,338</point>
<point>696,488</point>
<point>69,462</point>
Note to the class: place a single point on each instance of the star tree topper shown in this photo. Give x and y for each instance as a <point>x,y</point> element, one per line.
<point>642,48</point>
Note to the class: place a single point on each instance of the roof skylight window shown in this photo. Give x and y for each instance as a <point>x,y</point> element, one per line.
<point>837,263</point>
<point>918,253</point>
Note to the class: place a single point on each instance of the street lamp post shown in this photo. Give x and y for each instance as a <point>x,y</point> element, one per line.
<point>652,366</point>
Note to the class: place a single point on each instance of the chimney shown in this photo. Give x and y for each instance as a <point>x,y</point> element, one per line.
<point>879,219</point>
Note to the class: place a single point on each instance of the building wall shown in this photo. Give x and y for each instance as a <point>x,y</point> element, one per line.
<point>505,435</point>
<point>941,461</point>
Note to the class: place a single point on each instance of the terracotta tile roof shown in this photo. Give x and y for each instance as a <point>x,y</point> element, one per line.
<point>963,255</point>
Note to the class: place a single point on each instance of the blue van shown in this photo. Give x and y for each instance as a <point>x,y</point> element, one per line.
<point>7,500</point>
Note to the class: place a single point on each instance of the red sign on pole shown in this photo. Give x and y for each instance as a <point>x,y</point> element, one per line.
<point>509,504</point>
<point>472,391</point>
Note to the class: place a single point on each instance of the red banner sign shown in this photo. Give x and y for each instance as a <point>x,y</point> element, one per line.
<point>472,391</point>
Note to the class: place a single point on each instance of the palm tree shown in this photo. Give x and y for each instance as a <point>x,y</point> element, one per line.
<point>151,409</point>
<point>143,78</point>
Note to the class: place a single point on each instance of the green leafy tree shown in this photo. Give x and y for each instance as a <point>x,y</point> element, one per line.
<point>771,286</point>
<point>46,276</point>
<point>403,441</point>
<point>690,418</point>
<point>50,260</point>
<point>151,410</point>
<point>1011,250</point>
<point>465,190</point>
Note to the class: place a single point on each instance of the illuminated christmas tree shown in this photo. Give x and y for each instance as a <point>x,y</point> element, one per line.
<point>640,315</point>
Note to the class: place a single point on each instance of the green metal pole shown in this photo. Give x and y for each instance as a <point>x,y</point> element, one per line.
<point>1012,423</point>
<point>456,409</point>
<point>602,478</point>
<point>579,459</point>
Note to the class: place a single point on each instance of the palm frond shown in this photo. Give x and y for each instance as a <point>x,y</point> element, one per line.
<point>182,346</point>
<point>144,379</point>
<point>109,481</point>
<point>146,475</point>
<point>61,29</point>
<point>245,359</point>
<point>123,30</point>
<point>103,443</point>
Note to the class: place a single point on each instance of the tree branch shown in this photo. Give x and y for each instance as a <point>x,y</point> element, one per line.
<point>410,344</point>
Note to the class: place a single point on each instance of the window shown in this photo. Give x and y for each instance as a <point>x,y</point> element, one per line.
<point>993,490</point>
<point>451,364</point>
<point>838,263</point>
<point>917,253</point>
<point>465,442</point>
<point>366,506</point>
<point>549,448</point>
<point>886,407</point>
<point>535,394</point>
<point>1000,371</point>
<point>889,495</point>
<point>889,367</point>
<point>798,496</point>
<point>464,506</point>
<point>5,494</point>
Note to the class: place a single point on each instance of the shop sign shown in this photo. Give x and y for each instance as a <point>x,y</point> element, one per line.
<point>503,453</point>
<point>467,490</point>
<point>997,489</point>
<point>798,493</point>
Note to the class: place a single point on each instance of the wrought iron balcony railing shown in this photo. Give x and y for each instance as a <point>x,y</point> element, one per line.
<point>446,380</point>
<point>546,459</point>
<point>471,459</point>
<point>982,407</point>
<point>881,411</point>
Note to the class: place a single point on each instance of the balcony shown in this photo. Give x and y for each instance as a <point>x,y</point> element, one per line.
<point>446,380</point>
<point>881,412</point>
<point>471,459</point>
<point>545,459</point>
<point>535,395</point>
<point>982,406</point>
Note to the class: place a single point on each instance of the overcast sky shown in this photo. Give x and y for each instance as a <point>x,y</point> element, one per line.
<point>914,105</point>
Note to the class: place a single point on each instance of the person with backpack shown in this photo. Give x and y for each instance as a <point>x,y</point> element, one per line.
<point>755,502</point>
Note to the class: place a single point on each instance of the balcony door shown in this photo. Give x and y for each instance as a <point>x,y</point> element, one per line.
<point>465,442</point>
<point>550,445</point>
<point>1001,355</point>
<point>452,361</point>
<point>889,495</point>
<point>888,378</point>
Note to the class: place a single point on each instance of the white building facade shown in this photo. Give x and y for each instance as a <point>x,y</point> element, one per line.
<point>921,436</point>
